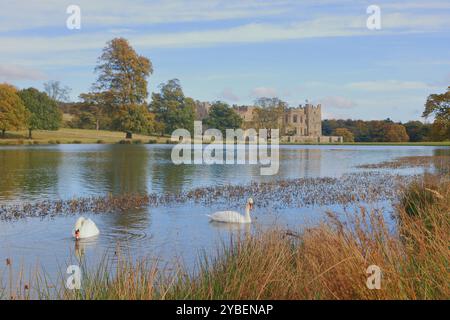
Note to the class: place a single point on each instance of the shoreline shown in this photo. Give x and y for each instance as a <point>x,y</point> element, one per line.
<point>87,136</point>
<point>10,142</point>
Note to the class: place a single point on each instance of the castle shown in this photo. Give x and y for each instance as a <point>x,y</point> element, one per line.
<point>301,124</point>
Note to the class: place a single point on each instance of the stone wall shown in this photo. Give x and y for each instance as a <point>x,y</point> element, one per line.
<point>311,139</point>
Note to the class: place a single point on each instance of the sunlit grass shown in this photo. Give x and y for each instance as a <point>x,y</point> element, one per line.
<point>66,135</point>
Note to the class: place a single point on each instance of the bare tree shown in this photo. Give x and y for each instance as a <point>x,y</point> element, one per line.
<point>56,91</point>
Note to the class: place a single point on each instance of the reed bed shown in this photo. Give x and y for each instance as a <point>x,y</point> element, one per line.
<point>350,188</point>
<point>441,162</point>
<point>328,261</point>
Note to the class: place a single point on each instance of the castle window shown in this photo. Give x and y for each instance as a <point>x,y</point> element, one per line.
<point>305,132</point>
<point>295,118</point>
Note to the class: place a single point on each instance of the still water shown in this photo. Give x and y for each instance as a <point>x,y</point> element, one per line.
<point>171,233</point>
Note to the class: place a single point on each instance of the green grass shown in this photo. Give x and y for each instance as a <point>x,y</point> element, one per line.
<point>73,136</point>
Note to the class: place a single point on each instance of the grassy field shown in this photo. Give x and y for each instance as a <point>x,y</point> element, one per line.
<point>329,261</point>
<point>66,135</point>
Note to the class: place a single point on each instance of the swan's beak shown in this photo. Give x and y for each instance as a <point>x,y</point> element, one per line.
<point>251,206</point>
<point>77,234</point>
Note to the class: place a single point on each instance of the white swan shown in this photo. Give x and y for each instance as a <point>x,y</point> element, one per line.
<point>233,216</point>
<point>85,228</point>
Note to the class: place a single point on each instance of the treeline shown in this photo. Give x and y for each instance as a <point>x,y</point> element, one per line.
<point>28,108</point>
<point>436,105</point>
<point>118,100</point>
<point>380,131</point>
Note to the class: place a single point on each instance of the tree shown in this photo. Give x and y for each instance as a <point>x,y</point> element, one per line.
<point>94,104</point>
<point>172,108</point>
<point>222,117</point>
<point>84,120</point>
<point>43,110</point>
<point>56,91</point>
<point>123,74</point>
<point>417,131</point>
<point>395,133</point>
<point>121,85</point>
<point>345,133</point>
<point>13,114</point>
<point>269,114</point>
<point>438,105</point>
<point>439,130</point>
<point>135,118</point>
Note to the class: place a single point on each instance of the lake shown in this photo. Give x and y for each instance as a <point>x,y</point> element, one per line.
<point>174,232</point>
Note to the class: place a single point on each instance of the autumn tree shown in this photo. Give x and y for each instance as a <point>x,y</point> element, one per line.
<point>438,105</point>
<point>135,119</point>
<point>268,114</point>
<point>222,117</point>
<point>123,73</point>
<point>395,133</point>
<point>172,108</point>
<point>121,86</point>
<point>13,114</point>
<point>43,110</point>
<point>346,134</point>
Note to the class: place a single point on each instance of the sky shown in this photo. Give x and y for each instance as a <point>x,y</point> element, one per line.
<point>319,51</point>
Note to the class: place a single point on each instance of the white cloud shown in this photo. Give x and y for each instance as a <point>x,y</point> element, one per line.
<point>16,72</point>
<point>388,85</point>
<point>31,14</point>
<point>260,92</point>
<point>337,102</point>
<point>229,95</point>
<point>313,27</point>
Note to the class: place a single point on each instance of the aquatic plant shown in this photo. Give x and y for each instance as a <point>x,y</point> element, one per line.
<point>440,162</point>
<point>276,194</point>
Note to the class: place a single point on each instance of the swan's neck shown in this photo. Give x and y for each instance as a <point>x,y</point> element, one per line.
<point>247,212</point>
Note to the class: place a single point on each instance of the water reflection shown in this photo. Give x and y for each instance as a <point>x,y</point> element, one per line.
<point>28,171</point>
<point>67,171</point>
<point>115,169</point>
<point>232,227</point>
<point>82,245</point>
<point>441,163</point>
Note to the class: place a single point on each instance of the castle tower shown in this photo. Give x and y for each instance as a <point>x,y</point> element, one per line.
<point>314,119</point>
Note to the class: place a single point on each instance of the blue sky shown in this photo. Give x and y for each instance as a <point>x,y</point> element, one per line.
<point>238,50</point>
